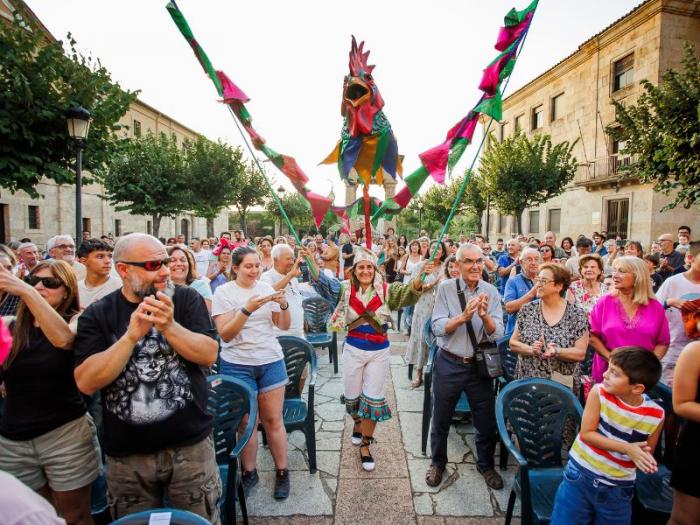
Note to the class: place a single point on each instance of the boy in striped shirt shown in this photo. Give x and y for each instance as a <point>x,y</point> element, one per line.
<point>619,432</point>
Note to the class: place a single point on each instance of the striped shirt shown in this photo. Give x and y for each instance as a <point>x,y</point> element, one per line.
<point>620,422</point>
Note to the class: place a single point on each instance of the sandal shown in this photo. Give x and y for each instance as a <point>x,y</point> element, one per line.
<point>367,459</point>
<point>418,381</point>
<point>434,475</point>
<point>493,479</point>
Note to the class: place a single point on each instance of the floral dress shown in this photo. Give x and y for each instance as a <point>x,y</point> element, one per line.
<point>416,349</point>
<point>532,326</point>
<point>583,298</point>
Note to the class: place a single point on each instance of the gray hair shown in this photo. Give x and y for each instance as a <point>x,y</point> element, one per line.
<point>26,245</point>
<point>527,250</point>
<point>280,249</point>
<point>467,247</point>
<point>127,241</point>
<point>51,243</point>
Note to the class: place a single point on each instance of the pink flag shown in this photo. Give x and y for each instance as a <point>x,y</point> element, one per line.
<point>489,82</point>
<point>508,35</point>
<point>231,91</point>
<point>435,161</point>
<point>464,129</point>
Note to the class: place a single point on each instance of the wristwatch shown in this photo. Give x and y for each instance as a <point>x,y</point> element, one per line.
<point>285,307</point>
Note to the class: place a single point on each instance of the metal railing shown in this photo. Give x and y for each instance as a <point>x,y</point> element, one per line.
<point>603,169</point>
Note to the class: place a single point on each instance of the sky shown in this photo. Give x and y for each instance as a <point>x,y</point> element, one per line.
<point>290,59</point>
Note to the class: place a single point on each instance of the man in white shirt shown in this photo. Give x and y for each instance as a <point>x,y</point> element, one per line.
<point>201,256</point>
<point>96,256</point>
<point>283,275</point>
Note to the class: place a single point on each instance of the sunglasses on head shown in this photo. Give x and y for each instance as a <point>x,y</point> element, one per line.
<point>51,283</point>
<point>149,266</point>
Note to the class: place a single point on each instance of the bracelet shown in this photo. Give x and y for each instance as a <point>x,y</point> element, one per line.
<point>285,308</point>
<point>246,312</point>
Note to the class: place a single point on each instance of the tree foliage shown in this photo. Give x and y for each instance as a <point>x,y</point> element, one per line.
<point>38,82</point>
<point>295,206</point>
<point>213,170</point>
<point>662,130</point>
<point>149,177</point>
<point>521,172</point>
<point>251,190</point>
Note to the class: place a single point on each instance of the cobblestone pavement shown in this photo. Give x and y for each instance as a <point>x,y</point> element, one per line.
<point>396,493</point>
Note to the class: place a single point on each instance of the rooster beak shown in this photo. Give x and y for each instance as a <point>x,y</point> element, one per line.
<point>357,92</point>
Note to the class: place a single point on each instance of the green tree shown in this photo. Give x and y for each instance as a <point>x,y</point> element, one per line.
<point>295,206</point>
<point>214,170</point>
<point>662,132</point>
<point>521,172</point>
<point>251,190</point>
<point>474,200</point>
<point>149,177</point>
<point>38,82</point>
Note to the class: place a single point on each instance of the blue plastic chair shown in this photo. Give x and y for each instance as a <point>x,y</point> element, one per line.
<point>537,410</point>
<point>317,311</point>
<point>653,493</point>
<point>462,410</point>
<point>509,361</point>
<point>230,400</point>
<point>298,414</point>
<point>177,517</point>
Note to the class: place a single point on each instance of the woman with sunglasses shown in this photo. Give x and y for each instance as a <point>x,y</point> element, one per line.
<point>246,311</point>
<point>219,271</point>
<point>47,440</point>
<point>183,272</point>
<point>547,253</point>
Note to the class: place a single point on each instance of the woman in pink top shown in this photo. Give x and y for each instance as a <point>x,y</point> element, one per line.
<point>629,316</point>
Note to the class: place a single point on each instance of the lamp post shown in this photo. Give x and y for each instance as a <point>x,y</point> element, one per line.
<point>78,120</point>
<point>420,218</point>
<point>280,191</point>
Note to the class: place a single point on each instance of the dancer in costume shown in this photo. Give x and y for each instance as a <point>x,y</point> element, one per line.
<point>364,310</point>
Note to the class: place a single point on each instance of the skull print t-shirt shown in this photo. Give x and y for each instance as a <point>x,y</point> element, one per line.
<point>159,400</point>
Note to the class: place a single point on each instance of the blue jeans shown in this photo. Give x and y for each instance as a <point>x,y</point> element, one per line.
<point>583,499</point>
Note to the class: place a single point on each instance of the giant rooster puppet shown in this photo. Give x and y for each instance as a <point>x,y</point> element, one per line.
<point>367,150</point>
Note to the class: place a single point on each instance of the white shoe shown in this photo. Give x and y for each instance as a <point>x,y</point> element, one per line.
<point>356,438</point>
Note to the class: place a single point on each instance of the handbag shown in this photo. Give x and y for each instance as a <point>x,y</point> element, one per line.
<point>486,354</point>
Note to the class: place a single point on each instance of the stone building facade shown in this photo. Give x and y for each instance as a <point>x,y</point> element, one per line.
<point>573,100</point>
<point>39,219</point>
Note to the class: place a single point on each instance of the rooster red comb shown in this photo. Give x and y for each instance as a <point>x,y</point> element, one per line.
<point>358,60</point>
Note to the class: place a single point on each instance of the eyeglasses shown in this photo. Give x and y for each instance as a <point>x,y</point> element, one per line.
<point>48,282</point>
<point>664,240</point>
<point>543,280</point>
<point>472,262</point>
<point>65,246</point>
<point>149,266</point>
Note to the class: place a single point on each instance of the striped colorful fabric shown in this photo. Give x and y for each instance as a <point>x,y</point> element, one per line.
<point>620,422</point>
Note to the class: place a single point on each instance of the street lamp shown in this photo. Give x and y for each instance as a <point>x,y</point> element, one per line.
<point>281,190</point>
<point>420,217</point>
<point>78,120</point>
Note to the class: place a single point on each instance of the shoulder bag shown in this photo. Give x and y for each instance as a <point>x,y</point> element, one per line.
<point>486,354</point>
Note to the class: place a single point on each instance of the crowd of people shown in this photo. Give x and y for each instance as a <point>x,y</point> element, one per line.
<point>112,342</point>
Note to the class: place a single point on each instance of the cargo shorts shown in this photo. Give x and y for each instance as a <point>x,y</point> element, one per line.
<point>188,476</point>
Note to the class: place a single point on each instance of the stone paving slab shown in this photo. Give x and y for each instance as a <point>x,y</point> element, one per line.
<point>307,496</point>
<point>374,501</point>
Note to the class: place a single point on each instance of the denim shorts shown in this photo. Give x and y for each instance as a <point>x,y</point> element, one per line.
<point>261,378</point>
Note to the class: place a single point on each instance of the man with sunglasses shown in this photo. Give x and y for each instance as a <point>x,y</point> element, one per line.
<point>62,247</point>
<point>464,303</point>
<point>145,347</point>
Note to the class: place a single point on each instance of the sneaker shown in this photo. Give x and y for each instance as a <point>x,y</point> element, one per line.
<point>356,438</point>
<point>493,479</point>
<point>281,484</point>
<point>249,480</point>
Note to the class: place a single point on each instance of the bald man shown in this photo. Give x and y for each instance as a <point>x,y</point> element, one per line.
<point>145,347</point>
<point>670,261</point>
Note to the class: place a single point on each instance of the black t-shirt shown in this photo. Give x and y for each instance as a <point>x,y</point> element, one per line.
<point>347,249</point>
<point>41,394</point>
<point>160,399</point>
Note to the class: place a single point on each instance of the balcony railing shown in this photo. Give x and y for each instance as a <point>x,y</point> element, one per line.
<point>604,170</point>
